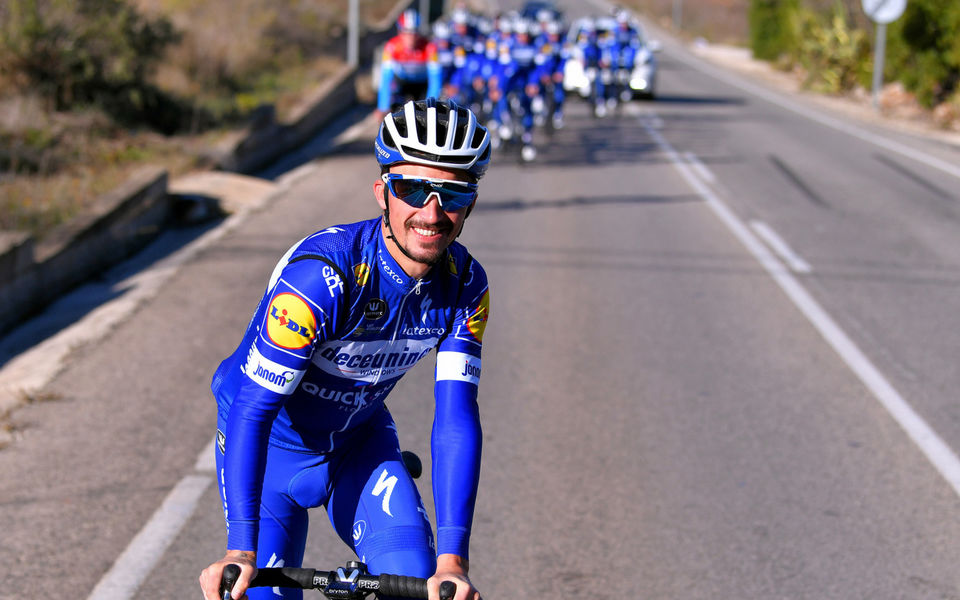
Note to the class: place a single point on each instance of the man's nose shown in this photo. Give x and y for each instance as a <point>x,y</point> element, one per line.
<point>432,207</point>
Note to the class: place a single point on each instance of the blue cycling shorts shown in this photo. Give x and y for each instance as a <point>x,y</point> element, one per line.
<point>370,497</point>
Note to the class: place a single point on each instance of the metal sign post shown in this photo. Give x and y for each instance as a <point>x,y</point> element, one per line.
<point>425,17</point>
<point>353,34</point>
<point>881,12</point>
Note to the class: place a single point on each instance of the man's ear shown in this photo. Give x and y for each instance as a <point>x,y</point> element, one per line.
<point>378,192</point>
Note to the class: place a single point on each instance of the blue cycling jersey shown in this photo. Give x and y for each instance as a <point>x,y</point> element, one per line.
<point>339,324</point>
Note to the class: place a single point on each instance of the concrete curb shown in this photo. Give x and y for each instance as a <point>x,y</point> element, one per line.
<point>120,223</point>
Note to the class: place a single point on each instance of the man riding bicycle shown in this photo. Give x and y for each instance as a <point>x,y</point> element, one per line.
<point>409,67</point>
<point>347,311</point>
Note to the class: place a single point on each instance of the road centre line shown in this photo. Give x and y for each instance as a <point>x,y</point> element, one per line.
<point>773,239</point>
<point>839,125</point>
<point>943,458</point>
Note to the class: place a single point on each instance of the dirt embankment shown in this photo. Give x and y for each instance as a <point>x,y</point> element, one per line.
<point>231,57</point>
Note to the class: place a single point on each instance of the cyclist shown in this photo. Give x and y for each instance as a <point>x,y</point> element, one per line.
<point>518,83</point>
<point>347,311</point>
<point>409,67</point>
<point>551,46</point>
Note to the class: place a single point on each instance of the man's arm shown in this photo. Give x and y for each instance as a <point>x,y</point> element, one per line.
<point>301,311</point>
<point>456,439</point>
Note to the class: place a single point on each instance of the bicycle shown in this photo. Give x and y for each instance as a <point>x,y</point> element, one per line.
<point>350,582</point>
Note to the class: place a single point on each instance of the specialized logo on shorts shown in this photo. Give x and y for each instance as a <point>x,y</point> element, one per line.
<point>477,321</point>
<point>375,309</point>
<point>386,483</point>
<point>290,322</point>
<point>362,273</point>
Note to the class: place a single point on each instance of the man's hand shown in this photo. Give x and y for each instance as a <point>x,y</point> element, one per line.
<point>211,576</point>
<point>451,567</point>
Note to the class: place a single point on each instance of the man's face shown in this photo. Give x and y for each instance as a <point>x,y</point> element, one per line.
<point>424,232</point>
<point>409,38</point>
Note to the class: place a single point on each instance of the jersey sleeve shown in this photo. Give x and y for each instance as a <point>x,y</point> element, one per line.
<point>387,62</point>
<point>456,438</point>
<point>434,72</point>
<point>302,309</point>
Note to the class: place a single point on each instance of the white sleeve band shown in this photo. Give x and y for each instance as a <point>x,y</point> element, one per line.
<point>458,366</point>
<point>271,375</point>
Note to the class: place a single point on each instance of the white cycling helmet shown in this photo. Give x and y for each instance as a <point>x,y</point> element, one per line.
<point>436,133</point>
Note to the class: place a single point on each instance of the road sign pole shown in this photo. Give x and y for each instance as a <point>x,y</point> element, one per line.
<point>425,17</point>
<point>879,51</point>
<point>353,34</point>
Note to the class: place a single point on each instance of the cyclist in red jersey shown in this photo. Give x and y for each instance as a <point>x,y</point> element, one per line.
<point>409,68</point>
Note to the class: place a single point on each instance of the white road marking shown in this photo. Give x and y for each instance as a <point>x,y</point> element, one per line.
<point>773,239</point>
<point>823,119</point>
<point>940,455</point>
<point>141,556</point>
<point>144,551</point>
<point>694,161</point>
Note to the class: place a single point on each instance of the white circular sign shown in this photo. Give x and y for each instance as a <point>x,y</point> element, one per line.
<point>884,11</point>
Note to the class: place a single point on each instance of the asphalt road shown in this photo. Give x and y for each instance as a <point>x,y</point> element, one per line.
<point>670,410</point>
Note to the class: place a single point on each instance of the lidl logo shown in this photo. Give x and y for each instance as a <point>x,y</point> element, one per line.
<point>290,322</point>
<point>477,322</point>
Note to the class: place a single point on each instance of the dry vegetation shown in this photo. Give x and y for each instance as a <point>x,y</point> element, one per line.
<point>230,57</point>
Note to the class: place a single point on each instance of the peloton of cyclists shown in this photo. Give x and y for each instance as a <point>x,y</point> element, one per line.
<point>509,69</point>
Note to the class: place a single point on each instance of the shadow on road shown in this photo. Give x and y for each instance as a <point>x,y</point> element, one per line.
<point>519,204</point>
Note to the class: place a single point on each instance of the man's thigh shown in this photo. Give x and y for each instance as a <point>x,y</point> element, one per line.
<point>376,508</point>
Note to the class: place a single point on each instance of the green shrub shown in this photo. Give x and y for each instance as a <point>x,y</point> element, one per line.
<point>772,28</point>
<point>924,49</point>
<point>80,52</point>
<point>834,55</point>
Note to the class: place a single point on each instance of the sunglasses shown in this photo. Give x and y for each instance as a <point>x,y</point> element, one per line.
<point>416,191</point>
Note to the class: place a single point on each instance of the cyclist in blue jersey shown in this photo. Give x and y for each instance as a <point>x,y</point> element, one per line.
<point>347,311</point>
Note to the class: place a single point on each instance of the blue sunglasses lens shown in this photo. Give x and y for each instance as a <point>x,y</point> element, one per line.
<point>415,192</point>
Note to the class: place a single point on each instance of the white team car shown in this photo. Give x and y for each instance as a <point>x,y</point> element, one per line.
<point>579,78</point>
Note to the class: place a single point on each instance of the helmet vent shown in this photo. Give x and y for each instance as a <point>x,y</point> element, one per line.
<point>478,135</point>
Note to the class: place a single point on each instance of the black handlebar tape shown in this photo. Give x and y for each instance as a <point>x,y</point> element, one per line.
<point>403,586</point>
<point>229,579</point>
<point>285,577</point>
<point>448,590</point>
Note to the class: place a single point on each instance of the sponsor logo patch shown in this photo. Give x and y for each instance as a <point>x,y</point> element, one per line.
<point>371,361</point>
<point>477,322</point>
<point>362,273</point>
<point>290,322</point>
<point>359,528</point>
<point>458,366</point>
<point>269,374</point>
<point>375,309</point>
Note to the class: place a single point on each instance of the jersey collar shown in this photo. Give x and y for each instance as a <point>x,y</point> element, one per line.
<point>390,270</point>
